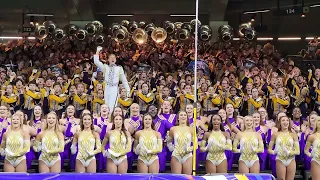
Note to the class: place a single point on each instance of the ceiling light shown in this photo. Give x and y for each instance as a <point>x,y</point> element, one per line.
<point>258,11</point>
<point>289,38</point>
<point>119,15</point>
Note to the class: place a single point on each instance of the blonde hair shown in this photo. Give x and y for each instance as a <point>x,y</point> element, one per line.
<point>56,127</point>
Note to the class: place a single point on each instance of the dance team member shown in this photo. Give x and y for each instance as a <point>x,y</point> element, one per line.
<point>50,142</point>
<point>148,143</point>
<point>87,143</point>
<point>216,141</point>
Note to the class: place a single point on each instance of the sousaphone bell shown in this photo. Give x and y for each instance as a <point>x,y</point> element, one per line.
<point>81,34</point>
<point>158,35</point>
<point>140,36</point>
<point>71,29</point>
<point>41,32</point>
<point>183,34</point>
<point>169,27</point>
<point>225,33</point>
<point>59,34</point>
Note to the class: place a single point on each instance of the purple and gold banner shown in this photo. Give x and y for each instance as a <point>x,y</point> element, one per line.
<point>99,176</point>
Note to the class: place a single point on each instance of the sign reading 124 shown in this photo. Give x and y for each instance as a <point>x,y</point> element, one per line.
<point>291,11</point>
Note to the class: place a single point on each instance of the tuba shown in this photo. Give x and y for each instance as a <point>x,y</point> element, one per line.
<point>59,34</point>
<point>178,25</point>
<point>183,34</point>
<point>41,32</point>
<point>121,34</point>
<point>71,29</point>
<point>99,26</point>
<point>81,34</point>
<point>205,33</point>
<point>125,23</point>
<point>242,29</point>
<point>99,39</point>
<point>225,33</point>
<point>250,34</point>
<point>91,29</point>
<point>142,24</point>
<point>50,26</point>
<point>158,35</point>
<point>140,36</point>
<point>132,27</point>
<point>169,27</point>
<point>149,28</point>
<point>193,24</point>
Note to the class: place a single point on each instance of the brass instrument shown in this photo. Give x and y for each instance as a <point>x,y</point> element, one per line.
<point>178,25</point>
<point>99,39</point>
<point>81,34</point>
<point>99,26</point>
<point>242,29</point>
<point>41,32</point>
<point>169,27</point>
<point>250,34</point>
<point>125,23</point>
<point>50,26</point>
<point>140,36</point>
<point>90,28</point>
<point>59,34</point>
<point>225,33</point>
<point>205,33</point>
<point>193,24</point>
<point>158,35</point>
<point>71,29</point>
<point>121,35</point>
<point>187,26</point>
<point>115,27</point>
<point>183,34</point>
<point>301,98</point>
<point>142,24</point>
<point>149,28</point>
<point>132,27</point>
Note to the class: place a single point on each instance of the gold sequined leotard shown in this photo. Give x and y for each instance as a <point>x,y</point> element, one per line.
<point>118,147</point>
<point>148,147</point>
<point>285,148</point>
<point>182,141</point>
<point>16,148</point>
<point>250,145</point>
<point>217,144</point>
<point>88,147</point>
<point>50,147</point>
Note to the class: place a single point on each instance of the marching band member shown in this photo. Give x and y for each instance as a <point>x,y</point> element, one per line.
<point>251,144</point>
<point>148,143</point>
<point>286,147</point>
<point>164,95</point>
<point>9,98</point>
<point>144,98</point>
<point>211,102</point>
<point>179,143</point>
<point>31,97</point>
<point>15,144</point>
<point>185,98</point>
<point>120,143</point>
<point>55,101</point>
<point>124,101</point>
<point>50,141</point>
<point>112,75</point>
<point>80,99</point>
<point>89,145</point>
<point>233,99</point>
<point>216,141</point>
<point>97,102</point>
<point>313,144</point>
<point>252,102</point>
<point>280,101</point>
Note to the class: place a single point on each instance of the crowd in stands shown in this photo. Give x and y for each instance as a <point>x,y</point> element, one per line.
<point>254,107</point>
